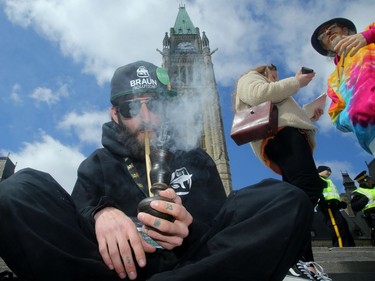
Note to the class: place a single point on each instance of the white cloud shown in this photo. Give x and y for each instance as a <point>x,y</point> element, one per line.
<point>14,95</point>
<point>106,34</point>
<point>100,34</point>
<point>50,156</point>
<point>42,94</point>
<point>46,95</point>
<point>87,126</point>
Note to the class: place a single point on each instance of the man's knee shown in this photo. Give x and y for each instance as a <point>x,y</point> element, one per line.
<point>25,183</point>
<point>272,189</point>
<point>274,194</point>
<point>12,187</point>
<point>294,198</point>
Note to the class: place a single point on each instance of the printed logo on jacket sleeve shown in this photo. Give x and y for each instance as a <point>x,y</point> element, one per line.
<point>181,181</point>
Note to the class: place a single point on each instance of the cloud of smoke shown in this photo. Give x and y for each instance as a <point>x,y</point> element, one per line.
<point>185,113</point>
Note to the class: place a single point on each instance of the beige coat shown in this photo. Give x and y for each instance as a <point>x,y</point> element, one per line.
<point>254,88</point>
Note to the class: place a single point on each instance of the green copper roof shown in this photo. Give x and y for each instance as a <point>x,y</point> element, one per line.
<point>183,24</point>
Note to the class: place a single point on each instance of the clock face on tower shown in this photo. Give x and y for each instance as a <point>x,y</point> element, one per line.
<point>185,47</point>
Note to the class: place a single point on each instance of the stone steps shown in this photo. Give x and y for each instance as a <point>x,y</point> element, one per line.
<point>358,276</point>
<point>347,264</point>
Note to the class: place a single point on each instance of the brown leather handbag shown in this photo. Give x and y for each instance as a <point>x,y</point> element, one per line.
<point>255,123</point>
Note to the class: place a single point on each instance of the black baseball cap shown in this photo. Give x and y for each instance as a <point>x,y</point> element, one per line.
<point>140,77</point>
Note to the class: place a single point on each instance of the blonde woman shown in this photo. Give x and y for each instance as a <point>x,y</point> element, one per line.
<point>290,152</point>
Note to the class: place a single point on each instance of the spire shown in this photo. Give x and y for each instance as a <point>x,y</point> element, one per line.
<point>166,41</point>
<point>205,40</point>
<point>183,24</point>
<point>346,179</point>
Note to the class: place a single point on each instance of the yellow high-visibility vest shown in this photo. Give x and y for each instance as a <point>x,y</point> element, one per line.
<point>370,194</point>
<point>330,191</point>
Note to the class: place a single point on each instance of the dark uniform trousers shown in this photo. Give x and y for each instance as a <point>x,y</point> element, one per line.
<point>337,225</point>
<point>369,216</point>
<point>257,235</point>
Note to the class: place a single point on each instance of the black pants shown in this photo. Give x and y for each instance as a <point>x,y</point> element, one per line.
<point>257,235</point>
<point>370,220</point>
<point>290,150</point>
<point>338,227</point>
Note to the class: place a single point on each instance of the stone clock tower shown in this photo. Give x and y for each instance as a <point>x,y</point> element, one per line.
<point>187,56</point>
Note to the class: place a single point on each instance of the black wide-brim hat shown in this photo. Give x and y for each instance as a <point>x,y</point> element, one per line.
<point>341,22</point>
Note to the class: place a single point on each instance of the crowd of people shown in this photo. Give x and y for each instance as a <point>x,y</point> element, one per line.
<point>190,229</point>
<point>290,151</point>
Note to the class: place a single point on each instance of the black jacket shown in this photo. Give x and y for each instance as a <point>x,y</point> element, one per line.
<point>104,180</point>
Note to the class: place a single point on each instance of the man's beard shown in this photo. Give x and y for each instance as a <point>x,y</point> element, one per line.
<point>135,148</point>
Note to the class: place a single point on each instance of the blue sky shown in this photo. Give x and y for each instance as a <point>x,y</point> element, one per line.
<point>57,58</point>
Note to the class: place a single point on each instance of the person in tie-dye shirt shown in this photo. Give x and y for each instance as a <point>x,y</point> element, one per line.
<point>351,86</point>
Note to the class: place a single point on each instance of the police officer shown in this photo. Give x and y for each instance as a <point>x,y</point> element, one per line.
<point>330,207</point>
<point>363,199</point>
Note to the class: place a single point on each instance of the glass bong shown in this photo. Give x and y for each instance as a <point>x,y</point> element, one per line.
<point>160,173</point>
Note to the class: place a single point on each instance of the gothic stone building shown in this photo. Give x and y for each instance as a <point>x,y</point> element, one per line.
<point>187,57</point>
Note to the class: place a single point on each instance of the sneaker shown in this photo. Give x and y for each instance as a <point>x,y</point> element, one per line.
<point>299,271</point>
<point>320,275</point>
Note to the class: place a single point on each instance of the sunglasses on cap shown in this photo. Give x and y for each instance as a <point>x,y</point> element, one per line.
<point>132,108</point>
